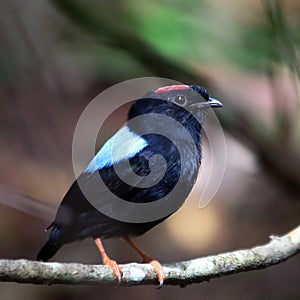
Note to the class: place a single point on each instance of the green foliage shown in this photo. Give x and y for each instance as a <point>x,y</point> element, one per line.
<point>197,31</point>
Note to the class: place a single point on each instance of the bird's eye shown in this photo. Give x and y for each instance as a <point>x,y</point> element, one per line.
<point>180,100</point>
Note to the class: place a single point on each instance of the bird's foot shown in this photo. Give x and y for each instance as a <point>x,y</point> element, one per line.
<point>116,269</point>
<point>157,267</point>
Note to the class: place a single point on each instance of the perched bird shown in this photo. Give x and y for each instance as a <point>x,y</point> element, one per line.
<point>78,218</point>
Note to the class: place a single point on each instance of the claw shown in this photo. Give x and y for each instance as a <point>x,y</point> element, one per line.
<point>158,269</point>
<point>116,269</point>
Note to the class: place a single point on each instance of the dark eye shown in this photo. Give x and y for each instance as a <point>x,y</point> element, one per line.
<point>179,100</point>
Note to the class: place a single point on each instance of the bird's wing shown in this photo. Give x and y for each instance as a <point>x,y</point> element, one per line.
<point>125,151</point>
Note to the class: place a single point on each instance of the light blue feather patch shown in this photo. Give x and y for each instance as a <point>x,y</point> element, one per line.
<point>123,145</point>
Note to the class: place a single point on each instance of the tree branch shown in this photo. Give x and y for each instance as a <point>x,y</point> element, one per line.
<point>197,270</point>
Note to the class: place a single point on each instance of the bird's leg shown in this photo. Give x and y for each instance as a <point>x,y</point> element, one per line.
<point>157,267</point>
<point>117,271</point>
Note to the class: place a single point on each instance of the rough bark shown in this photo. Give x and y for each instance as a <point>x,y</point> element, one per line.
<point>277,250</point>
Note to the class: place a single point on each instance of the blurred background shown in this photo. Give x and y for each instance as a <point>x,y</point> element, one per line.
<point>57,55</point>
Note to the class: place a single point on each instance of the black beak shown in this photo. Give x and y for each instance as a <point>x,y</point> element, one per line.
<point>214,103</point>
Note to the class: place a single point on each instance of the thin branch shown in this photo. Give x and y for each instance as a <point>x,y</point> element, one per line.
<point>197,270</point>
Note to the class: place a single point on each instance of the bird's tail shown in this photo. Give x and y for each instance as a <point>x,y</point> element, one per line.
<point>51,246</point>
<point>48,250</point>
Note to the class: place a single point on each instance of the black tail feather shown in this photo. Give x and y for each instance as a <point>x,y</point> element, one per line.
<point>48,250</point>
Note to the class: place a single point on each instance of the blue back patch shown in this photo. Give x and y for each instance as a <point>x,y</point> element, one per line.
<point>123,145</point>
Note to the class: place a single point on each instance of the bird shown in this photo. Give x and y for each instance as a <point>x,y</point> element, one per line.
<point>135,148</point>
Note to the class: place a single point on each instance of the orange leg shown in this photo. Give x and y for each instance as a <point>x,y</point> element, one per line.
<point>117,271</point>
<point>157,267</point>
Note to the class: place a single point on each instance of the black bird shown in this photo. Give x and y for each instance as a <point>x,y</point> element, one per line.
<point>79,217</point>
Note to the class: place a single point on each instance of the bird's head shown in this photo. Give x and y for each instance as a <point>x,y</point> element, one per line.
<point>187,104</point>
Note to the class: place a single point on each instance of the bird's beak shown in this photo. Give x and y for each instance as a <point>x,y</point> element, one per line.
<point>214,103</point>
